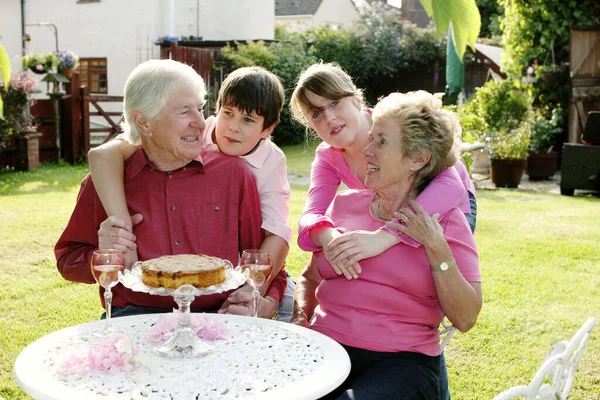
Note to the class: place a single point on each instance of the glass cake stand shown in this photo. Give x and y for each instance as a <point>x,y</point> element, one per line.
<point>184,343</point>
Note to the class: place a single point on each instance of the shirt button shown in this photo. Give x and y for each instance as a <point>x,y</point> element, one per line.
<point>172,208</point>
<point>170,175</point>
<point>217,208</point>
<point>177,243</point>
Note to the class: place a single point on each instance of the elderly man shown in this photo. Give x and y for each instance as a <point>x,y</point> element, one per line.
<point>184,202</point>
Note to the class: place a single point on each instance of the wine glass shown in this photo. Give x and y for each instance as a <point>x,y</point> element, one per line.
<point>259,265</point>
<point>106,265</point>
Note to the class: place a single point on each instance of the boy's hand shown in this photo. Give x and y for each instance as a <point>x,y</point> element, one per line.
<point>114,233</point>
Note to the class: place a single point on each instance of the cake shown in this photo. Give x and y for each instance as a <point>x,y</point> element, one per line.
<point>171,272</point>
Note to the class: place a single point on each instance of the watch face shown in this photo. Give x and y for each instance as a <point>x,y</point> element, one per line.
<point>444,266</point>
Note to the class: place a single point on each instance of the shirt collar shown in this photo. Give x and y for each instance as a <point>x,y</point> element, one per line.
<point>136,163</point>
<point>258,157</point>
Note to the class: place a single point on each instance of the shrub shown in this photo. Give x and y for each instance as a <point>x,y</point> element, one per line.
<point>511,144</point>
<point>545,131</point>
<point>286,59</point>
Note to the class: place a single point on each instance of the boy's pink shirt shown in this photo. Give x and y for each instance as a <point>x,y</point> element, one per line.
<point>329,168</point>
<point>393,305</point>
<point>268,166</point>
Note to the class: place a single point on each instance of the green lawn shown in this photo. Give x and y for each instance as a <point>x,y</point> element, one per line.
<point>540,258</point>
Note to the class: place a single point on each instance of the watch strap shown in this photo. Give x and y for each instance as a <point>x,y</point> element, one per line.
<point>439,267</point>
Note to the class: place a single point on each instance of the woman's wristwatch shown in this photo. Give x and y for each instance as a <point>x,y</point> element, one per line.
<point>444,266</point>
<point>275,306</point>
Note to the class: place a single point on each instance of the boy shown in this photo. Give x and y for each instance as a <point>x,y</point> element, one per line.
<point>248,107</point>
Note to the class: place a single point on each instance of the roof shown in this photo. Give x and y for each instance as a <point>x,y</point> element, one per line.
<point>490,55</point>
<point>296,7</point>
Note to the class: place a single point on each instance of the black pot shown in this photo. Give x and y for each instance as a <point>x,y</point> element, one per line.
<point>542,165</point>
<point>507,172</point>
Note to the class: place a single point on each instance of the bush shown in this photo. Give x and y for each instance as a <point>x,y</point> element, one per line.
<point>286,59</point>
<point>501,106</point>
<point>511,144</point>
<point>545,131</point>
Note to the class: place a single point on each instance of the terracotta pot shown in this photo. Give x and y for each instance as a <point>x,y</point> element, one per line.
<point>542,165</point>
<point>481,162</point>
<point>67,72</point>
<point>507,172</point>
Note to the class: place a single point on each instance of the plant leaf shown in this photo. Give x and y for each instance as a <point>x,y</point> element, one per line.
<point>427,6</point>
<point>4,72</point>
<point>462,15</point>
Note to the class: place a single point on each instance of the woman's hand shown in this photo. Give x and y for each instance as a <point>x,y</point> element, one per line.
<point>418,224</point>
<point>300,319</point>
<point>347,250</point>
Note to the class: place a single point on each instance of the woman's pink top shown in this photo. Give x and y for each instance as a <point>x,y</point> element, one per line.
<point>329,169</point>
<point>393,305</point>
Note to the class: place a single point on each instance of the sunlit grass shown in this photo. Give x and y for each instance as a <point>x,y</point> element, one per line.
<point>539,260</point>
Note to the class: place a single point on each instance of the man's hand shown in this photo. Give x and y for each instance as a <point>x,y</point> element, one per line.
<point>114,233</point>
<point>241,302</point>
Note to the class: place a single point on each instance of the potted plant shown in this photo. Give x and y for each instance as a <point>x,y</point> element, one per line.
<point>508,150</point>
<point>17,122</point>
<point>67,62</point>
<point>542,160</point>
<point>495,107</point>
<point>40,63</point>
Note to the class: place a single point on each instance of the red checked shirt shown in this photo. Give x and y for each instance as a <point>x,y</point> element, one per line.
<point>211,206</point>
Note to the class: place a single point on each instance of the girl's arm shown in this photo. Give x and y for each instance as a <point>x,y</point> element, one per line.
<point>445,192</point>
<point>107,165</point>
<point>324,183</point>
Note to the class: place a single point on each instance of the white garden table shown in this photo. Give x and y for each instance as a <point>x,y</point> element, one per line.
<point>287,362</point>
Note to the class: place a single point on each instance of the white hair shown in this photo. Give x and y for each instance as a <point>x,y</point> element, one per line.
<point>149,87</point>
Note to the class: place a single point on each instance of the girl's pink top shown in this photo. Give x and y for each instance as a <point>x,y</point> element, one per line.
<point>393,305</point>
<point>447,190</point>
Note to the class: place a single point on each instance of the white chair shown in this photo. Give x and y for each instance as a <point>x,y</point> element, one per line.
<point>446,332</point>
<point>559,367</point>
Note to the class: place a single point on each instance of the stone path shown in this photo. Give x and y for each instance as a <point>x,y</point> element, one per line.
<point>544,186</point>
<point>481,182</point>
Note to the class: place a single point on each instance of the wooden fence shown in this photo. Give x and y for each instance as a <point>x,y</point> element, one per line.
<point>584,64</point>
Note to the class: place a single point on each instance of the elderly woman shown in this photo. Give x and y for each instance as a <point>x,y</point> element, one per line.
<point>388,318</point>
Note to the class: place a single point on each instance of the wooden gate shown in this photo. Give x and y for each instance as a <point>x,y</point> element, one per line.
<point>90,107</point>
<point>584,63</point>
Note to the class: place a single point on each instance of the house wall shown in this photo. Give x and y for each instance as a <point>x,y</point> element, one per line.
<point>124,31</point>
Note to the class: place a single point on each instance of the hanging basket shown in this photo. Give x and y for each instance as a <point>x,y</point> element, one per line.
<point>37,71</point>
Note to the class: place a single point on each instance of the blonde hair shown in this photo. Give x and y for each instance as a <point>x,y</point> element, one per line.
<point>425,127</point>
<point>327,80</point>
<point>149,87</point>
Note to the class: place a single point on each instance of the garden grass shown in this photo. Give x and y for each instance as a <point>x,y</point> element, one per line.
<point>540,262</point>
